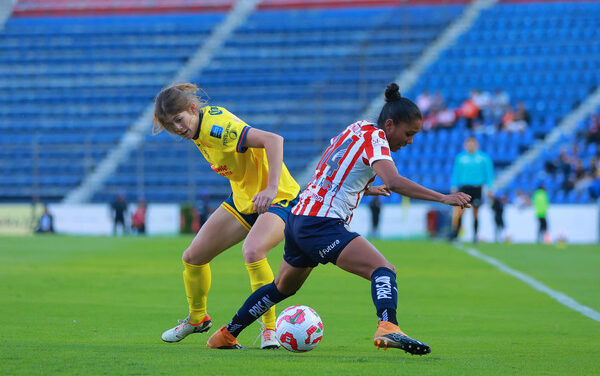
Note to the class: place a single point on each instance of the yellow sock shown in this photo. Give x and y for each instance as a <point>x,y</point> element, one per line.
<point>261,274</point>
<point>196,279</point>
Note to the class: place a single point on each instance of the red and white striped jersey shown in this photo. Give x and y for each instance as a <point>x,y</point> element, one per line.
<point>344,172</point>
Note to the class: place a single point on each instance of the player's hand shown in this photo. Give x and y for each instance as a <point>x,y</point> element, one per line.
<point>457,199</point>
<point>263,200</point>
<point>379,190</point>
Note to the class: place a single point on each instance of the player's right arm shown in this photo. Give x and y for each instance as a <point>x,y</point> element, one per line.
<point>388,173</point>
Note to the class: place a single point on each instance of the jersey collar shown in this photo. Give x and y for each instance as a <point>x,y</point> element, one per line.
<point>200,114</point>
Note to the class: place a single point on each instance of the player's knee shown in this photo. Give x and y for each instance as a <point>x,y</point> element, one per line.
<point>187,256</point>
<point>193,258</point>
<point>386,265</point>
<point>253,253</point>
<point>391,267</point>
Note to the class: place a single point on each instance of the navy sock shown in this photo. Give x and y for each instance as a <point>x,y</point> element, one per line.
<point>255,306</point>
<point>385,294</point>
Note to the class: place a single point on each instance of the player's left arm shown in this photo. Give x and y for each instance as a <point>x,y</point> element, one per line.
<point>273,145</point>
<point>387,171</point>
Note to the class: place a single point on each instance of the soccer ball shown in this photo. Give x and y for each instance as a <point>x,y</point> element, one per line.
<point>299,328</point>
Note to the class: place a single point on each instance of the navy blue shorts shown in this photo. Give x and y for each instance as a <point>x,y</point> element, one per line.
<point>313,240</point>
<point>281,208</point>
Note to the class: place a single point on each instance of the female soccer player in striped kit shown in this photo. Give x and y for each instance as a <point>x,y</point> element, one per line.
<point>263,194</point>
<point>316,231</point>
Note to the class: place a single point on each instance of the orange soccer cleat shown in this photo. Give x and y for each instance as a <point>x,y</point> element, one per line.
<point>222,339</point>
<point>390,335</point>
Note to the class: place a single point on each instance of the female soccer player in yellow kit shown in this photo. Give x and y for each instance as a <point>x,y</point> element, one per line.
<point>263,194</point>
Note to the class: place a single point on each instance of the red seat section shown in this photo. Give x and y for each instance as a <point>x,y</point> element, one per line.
<point>91,7</point>
<point>282,4</point>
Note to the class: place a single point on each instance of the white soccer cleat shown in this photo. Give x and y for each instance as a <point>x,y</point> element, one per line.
<point>268,339</point>
<point>184,329</point>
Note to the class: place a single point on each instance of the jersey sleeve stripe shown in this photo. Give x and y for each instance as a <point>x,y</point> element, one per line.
<point>240,148</point>
<point>369,145</point>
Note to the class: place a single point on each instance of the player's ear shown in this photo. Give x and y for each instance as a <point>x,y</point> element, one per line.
<point>193,108</point>
<point>389,124</point>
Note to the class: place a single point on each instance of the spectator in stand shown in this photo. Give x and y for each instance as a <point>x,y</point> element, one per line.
<point>520,119</point>
<point>562,165</point>
<point>592,135</point>
<point>573,155</point>
<point>507,118</point>
<point>581,178</point>
<point>499,103</point>
<point>446,118</point>
<point>138,219</point>
<point>424,101</point>
<point>430,121</point>
<point>469,110</point>
<point>437,102</point>
<point>594,188</point>
<point>483,101</point>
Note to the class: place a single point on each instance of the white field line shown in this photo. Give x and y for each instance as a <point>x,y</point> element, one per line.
<point>556,295</point>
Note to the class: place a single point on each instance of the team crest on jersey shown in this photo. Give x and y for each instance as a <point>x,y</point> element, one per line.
<point>216,131</point>
<point>214,110</point>
<point>233,135</point>
<point>230,135</point>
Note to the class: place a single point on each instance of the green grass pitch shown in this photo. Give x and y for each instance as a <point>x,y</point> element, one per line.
<point>91,306</point>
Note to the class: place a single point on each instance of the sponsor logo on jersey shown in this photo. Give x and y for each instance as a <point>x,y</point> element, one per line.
<point>221,170</point>
<point>329,248</point>
<point>214,110</point>
<point>327,185</point>
<point>230,134</point>
<point>216,131</point>
<point>313,196</point>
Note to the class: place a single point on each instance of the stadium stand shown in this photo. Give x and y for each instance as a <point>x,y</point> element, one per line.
<point>72,85</point>
<point>508,48</point>
<point>76,74</point>
<point>95,7</point>
<point>569,172</point>
<point>303,75</point>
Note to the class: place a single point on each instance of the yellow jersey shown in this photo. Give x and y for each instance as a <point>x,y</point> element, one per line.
<point>220,140</point>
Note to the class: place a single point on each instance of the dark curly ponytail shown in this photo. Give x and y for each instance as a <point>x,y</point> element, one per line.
<point>398,108</point>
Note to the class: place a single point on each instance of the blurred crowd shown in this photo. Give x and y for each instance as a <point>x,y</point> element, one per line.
<point>482,110</point>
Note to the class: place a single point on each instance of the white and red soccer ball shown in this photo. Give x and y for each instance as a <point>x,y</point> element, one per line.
<point>299,328</point>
